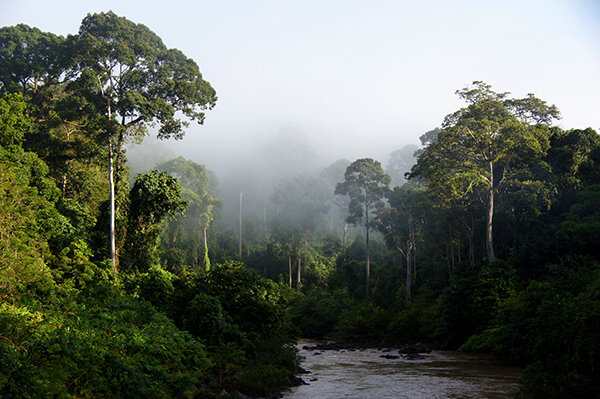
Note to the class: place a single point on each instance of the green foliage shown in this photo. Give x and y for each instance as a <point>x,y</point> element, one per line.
<point>571,157</point>
<point>483,146</point>
<point>579,233</point>
<point>185,233</point>
<point>420,322</point>
<point>364,321</point>
<point>156,286</point>
<point>109,346</point>
<point>29,58</point>
<point>23,249</point>
<point>70,329</point>
<point>253,302</point>
<point>548,325</point>
<point>473,297</point>
<point>204,317</point>
<point>152,82</point>
<point>13,121</point>
<point>316,311</point>
<point>365,183</point>
<point>154,196</point>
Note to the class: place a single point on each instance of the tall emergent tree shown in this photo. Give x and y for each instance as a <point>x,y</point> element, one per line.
<point>123,77</point>
<point>365,183</point>
<point>140,81</point>
<point>64,130</point>
<point>485,145</point>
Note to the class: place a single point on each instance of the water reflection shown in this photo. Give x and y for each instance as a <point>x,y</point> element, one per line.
<point>364,374</point>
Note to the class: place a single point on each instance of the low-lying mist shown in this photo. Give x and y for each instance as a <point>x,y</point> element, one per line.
<point>258,166</point>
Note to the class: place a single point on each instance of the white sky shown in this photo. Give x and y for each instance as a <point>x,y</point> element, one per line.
<point>357,78</point>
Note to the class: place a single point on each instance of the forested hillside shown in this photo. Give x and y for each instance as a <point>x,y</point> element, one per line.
<point>175,282</point>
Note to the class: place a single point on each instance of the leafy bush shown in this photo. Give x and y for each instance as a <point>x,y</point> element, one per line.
<point>419,322</point>
<point>316,312</point>
<point>364,321</point>
<point>156,286</point>
<point>554,331</point>
<point>109,346</point>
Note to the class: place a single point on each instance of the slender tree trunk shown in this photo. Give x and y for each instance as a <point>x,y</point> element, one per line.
<point>290,268</point>
<point>452,253</point>
<point>490,241</point>
<point>206,258</point>
<point>240,225</point>
<point>113,256</point>
<point>459,249</point>
<point>299,275</point>
<point>344,237</point>
<point>472,242</point>
<point>111,178</point>
<point>414,276</point>
<point>408,271</point>
<point>368,274</point>
<point>448,264</point>
<point>64,185</point>
<point>451,269</point>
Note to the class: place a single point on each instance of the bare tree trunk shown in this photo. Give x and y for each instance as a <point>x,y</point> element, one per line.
<point>408,271</point>
<point>344,238</point>
<point>451,267</point>
<point>290,268</point>
<point>414,261</point>
<point>472,243</point>
<point>452,253</point>
<point>64,185</point>
<point>299,275</point>
<point>206,258</point>
<point>448,264</point>
<point>113,256</point>
<point>111,178</point>
<point>240,225</point>
<point>490,241</point>
<point>368,274</point>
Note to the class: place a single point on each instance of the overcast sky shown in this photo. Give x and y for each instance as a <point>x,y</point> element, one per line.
<point>357,78</point>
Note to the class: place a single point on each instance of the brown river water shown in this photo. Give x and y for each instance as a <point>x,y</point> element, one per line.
<point>364,374</point>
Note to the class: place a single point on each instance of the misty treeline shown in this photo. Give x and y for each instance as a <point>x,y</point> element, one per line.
<point>483,238</point>
<point>156,277</point>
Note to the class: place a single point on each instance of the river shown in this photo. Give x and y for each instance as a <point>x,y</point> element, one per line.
<point>364,374</point>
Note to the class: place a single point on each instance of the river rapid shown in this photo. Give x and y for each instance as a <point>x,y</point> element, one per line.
<point>365,374</point>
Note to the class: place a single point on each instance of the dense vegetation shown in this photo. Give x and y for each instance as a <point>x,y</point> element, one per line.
<point>80,317</point>
<point>490,245</point>
<point>119,285</point>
